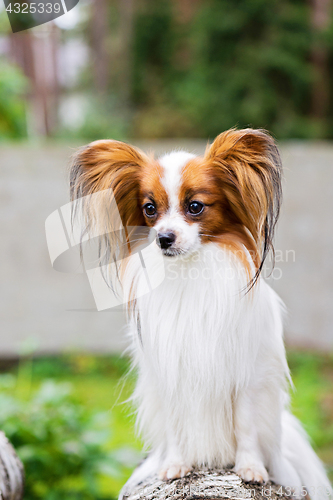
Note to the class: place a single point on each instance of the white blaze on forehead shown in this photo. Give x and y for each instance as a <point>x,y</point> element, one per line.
<point>172,165</point>
<point>187,235</point>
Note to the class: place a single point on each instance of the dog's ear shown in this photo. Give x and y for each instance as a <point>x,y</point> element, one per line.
<point>249,166</point>
<point>110,165</point>
<point>106,210</point>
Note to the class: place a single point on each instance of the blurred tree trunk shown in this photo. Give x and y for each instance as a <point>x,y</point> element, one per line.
<point>320,17</point>
<point>46,90</point>
<point>11,472</point>
<point>36,53</point>
<point>99,38</point>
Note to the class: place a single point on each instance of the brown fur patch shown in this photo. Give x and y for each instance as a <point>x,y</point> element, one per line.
<point>247,165</point>
<point>218,222</point>
<point>152,190</point>
<point>110,164</point>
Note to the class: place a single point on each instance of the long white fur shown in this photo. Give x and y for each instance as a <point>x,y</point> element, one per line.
<point>212,371</point>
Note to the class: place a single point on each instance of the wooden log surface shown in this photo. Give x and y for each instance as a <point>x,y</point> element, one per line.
<point>11,471</point>
<point>209,484</point>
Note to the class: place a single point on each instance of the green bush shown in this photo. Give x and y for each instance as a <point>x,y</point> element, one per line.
<point>217,64</point>
<point>60,442</point>
<point>13,85</point>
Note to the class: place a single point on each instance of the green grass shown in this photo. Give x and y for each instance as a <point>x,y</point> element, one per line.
<point>312,399</point>
<point>100,384</point>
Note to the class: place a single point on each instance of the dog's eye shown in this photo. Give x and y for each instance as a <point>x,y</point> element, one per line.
<point>195,207</point>
<point>149,209</point>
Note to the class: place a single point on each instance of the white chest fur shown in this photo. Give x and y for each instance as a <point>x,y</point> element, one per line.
<point>195,352</point>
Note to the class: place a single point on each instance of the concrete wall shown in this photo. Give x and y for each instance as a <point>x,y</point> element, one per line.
<point>49,311</point>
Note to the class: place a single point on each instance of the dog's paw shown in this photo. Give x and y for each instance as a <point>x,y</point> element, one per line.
<point>174,471</point>
<point>253,474</point>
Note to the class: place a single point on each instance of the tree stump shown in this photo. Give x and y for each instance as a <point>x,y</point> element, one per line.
<point>206,484</point>
<point>11,471</point>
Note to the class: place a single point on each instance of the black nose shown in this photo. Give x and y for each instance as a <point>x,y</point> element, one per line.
<point>165,240</point>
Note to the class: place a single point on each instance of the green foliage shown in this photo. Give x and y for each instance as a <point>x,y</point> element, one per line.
<point>68,422</point>
<point>312,399</point>
<point>72,365</point>
<point>249,66</point>
<point>244,63</point>
<point>60,442</point>
<point>13,86</point>
<point>152,51</point>
<point>194,69</point>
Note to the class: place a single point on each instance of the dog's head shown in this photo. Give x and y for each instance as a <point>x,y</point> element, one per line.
<point>230,196</point>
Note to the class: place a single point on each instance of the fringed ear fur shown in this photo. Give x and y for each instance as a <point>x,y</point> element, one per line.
<point>248,164</point>
<point>104,177</point>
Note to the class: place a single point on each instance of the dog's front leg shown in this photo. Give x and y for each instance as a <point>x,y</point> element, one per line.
<point>173,465</point>
<point>249,464</point>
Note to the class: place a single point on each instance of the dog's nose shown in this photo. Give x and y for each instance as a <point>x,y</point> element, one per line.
<point>165,240</point>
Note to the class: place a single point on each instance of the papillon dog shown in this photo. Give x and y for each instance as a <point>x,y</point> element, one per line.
<point>207,342</point>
